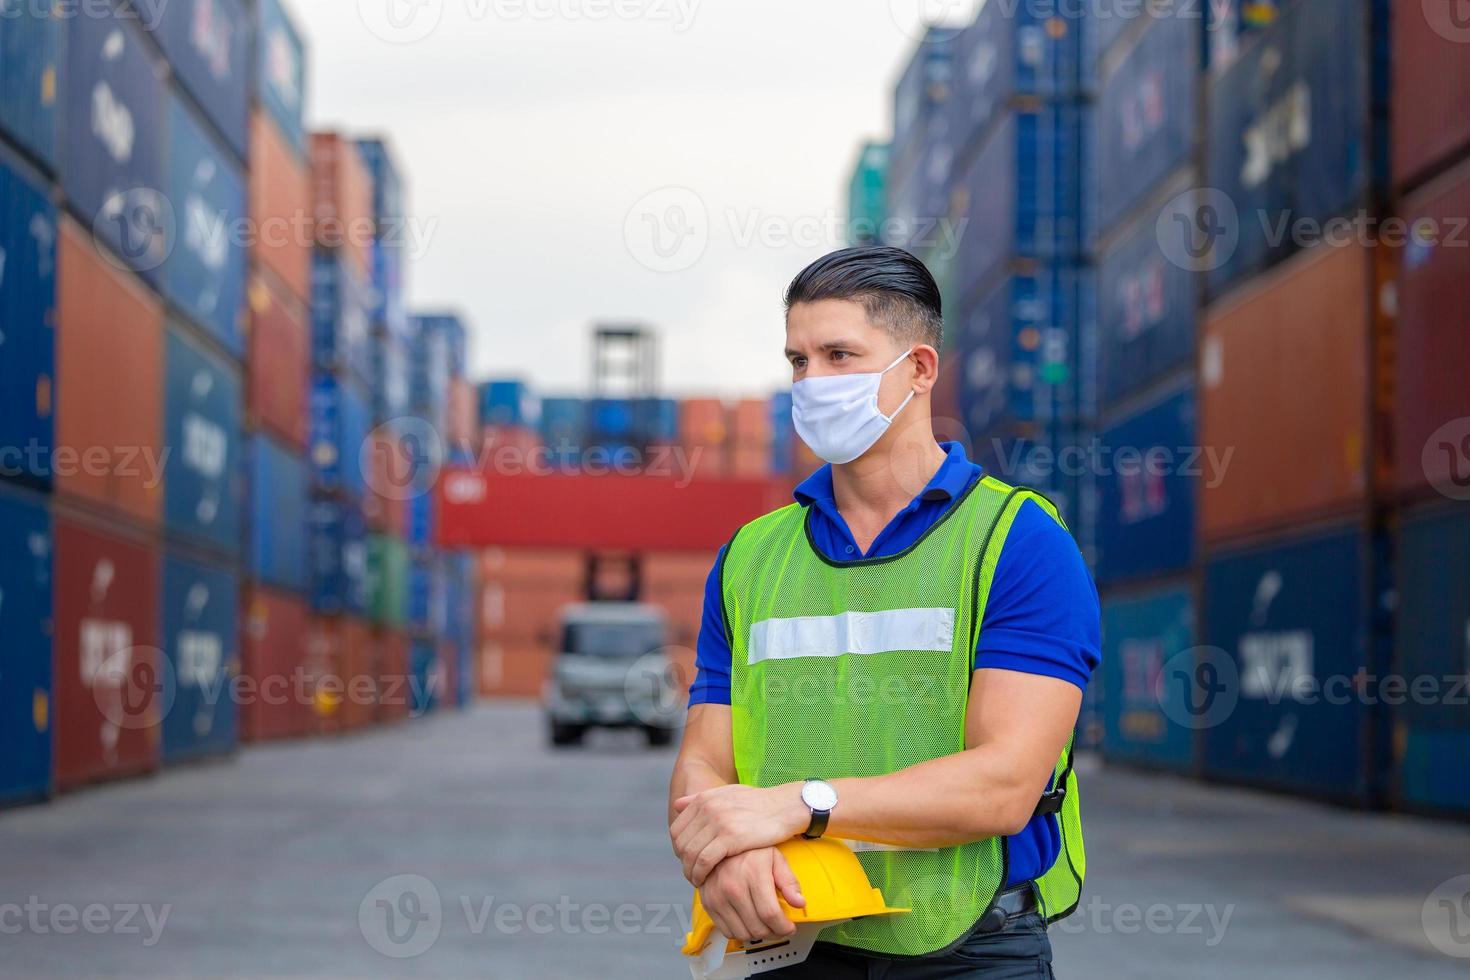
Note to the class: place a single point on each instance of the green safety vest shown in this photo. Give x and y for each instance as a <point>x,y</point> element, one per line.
<point>862,668</point>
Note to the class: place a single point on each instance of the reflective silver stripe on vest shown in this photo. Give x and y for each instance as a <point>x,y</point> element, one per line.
<point>859,633</point>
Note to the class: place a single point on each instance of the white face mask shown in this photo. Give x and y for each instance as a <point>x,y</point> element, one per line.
<point>837,415</point>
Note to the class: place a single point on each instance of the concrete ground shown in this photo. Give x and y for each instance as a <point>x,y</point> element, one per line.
<point>462,846</point>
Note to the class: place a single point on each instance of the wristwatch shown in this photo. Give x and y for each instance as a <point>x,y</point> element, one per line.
<point>820,797</point>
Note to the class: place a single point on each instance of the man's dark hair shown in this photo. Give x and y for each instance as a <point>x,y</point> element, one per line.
<point>892,285</point>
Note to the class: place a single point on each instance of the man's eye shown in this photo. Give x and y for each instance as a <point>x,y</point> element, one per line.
<point>798,362</point>
<point>838,355</point>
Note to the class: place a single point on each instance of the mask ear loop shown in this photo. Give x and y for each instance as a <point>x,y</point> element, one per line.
<point>889,418</point>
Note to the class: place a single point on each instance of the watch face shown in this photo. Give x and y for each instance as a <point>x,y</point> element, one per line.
<point>819,795</point>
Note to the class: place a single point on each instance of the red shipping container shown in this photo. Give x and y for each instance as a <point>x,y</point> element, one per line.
<point>280,207</point>
<point>511,669</point>
<point>706,462</point>
<point>107,670</point>
<point>1431,86</point>
<point>703,422</point>
<point>382,506</point>
<point>395,696</point>
<point>109,376</point>
<point>342,198</point>
<point>280,357</point>
<point>341,662</point>
<point>752,421</point>
<point>1284,391</point>
<point>1432,413</point>
<point>276,701</point>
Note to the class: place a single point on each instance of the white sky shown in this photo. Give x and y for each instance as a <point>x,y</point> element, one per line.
<point>528,135</point>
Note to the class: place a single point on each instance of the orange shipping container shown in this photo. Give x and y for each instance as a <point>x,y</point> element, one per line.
<point>395,695</point>
<point>109,377</point>
<point>273,661</point>
<point>342,668</point>
<point>522,611</point>
<point>703,422</point>
<point>544,566</point>
<point>513,669</point>
<point>342,198</point>
<point>752,421</point>
<point>1284,392</point>
<point>676,570</point>
<point>280,341</point>
<point>750,461</point>
<point>464,413</point>
<point>280,207</point>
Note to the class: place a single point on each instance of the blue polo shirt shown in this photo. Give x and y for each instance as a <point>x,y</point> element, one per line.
<point>1042,616</point>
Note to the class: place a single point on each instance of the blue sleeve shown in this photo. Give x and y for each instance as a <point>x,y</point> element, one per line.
<point>712,653</point>
<point>1043,615</point>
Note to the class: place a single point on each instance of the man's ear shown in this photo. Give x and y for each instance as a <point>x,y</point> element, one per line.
<point>926,359</point>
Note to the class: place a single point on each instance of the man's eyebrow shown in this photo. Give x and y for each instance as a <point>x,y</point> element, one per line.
<point>841,343</point>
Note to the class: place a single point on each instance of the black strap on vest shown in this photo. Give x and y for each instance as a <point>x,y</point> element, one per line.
<point>1052,801</point>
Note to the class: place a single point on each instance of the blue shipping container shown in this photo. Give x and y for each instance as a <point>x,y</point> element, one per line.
<point>420,520</point>
<point>1149,471</point>
<point>427,680</point>
<point>1145,119</point>
<point>657,420</point>
<point>340,425</point>
<point>338,555</point>
<point>27,333</point>
<point>1019,350</point>
<point>1145,313</point>
<point>25,656</point>
<point>30,55</point>
<point>1145,638</point>
<point>1434,644</point>
<point>1008,51</point>
<point>924,86</point>
<point>783,434</point>
<point>280,72</point>
<point>468,687</point>
<point>1291,136</point>
<point>612,418</point>
<point>205,271</point>
<point>428,594</point>
<point>112,163</point>
<point>201,629</point>
<point>564,427</point>
<point>390,378</point>
<point>1042,463</point>
<point>202,419</point>
<point>1022,194</point>
<point>504,403</point>
<point>339,317</point>
<point>432,358</point>
<point>386,308</point>
<point>207,43</point>
<point>1288,622</point>
<point>278,515</point>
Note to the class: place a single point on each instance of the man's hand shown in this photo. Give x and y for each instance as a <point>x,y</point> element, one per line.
<point>740,895</point>
<point>728,820</point>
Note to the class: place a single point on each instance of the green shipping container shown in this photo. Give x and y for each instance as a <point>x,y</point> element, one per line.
<point>387,581</point>
<point>867,193</point>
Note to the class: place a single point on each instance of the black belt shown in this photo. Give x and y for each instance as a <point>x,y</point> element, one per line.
<point>1008,905</point>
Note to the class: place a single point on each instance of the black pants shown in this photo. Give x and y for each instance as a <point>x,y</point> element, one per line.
<point>1021,949</point>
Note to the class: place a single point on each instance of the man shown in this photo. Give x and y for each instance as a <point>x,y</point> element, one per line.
<point>898,658</point>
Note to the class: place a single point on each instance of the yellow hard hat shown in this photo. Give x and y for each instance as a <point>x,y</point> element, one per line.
<point>833,882</point>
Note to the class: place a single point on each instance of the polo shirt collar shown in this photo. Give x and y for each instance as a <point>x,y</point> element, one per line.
<point>948,482</point>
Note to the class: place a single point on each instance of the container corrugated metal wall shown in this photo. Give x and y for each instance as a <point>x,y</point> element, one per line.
<point>30,57</point>
<point>203,494</point>
<point>338,558</point>
<point>109,382</point>
<point>204,273</point>
<point>1434,648</point>
<point>207,43</point>
<point>1291,135</point>
<point>1148,479</point>
<point>201,613</point>
<point>105,670</point>
<point>387,580</point>
<point>27,318</point>
<point>280,72</point>
<point>340,425</point>
<point>1145,312</point>
<point>390,378</point>
<point>1146,637</point>
<point>504,403</point>
<point>113,118</point>
<point>1283,376</point>
<point>1010,51</point>
<point>280,207</point>
<point>273,662</point>
<point>1144,123</point>
<point>387,261</point>
<point>279,362</point>
<point>1288,620</point>
<point>339,317</point>
<point>1431,87</point>
<point>26,712</point>
<point>277,553</point>
<point>1433,342</point>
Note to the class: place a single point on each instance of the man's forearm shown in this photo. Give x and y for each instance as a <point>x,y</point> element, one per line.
<point>692,776</point>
